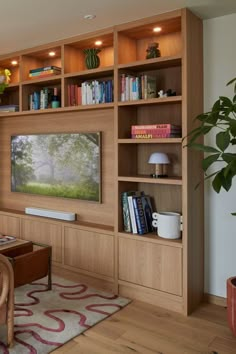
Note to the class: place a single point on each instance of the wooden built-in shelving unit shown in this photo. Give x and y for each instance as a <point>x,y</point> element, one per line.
<point>165,272</point>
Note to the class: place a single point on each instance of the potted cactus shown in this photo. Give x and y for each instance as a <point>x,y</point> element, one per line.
<point>92,59</point>
<point>221,157</point>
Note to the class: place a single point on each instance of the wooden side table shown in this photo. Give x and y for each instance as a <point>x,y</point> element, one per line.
<point>30,261</point>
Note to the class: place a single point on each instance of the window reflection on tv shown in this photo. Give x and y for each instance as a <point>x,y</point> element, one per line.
<point>58,165</point>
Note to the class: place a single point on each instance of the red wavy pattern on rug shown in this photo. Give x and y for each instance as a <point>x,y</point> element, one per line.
<point>45,320</point>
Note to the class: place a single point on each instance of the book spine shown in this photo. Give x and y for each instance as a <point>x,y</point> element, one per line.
<point>45,68</point>
<point>41,73</point>
<point>155,126</point>
<point>147,207</point>
<point>154,136</point>
<point>139,215</point>
<point>125,210</point>
<point>132,215</point>
<point>122,88</point>
<point>155,131</point>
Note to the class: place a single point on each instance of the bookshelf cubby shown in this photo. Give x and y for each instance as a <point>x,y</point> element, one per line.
<point>164,272</point>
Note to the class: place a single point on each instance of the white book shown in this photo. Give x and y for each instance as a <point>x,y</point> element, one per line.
<point>132,215</point>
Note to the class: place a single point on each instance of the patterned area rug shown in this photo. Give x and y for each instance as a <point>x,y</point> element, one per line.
<point>45,320</point>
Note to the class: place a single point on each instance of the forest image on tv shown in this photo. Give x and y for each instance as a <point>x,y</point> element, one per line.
<point>60,165</point>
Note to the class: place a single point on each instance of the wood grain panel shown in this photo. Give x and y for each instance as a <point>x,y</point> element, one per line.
<point>44,232</point>
<point>154,266</point>
<point>101,120</point>
<point>89,251</point>
<point>9,225</point>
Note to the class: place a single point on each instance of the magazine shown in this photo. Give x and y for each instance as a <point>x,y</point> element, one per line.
<point>4,239</point>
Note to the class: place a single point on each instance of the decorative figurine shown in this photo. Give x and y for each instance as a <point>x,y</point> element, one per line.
<point>162,94</point>
<point>168,93</point>
<point>153,51</point>
<point>92,59</point>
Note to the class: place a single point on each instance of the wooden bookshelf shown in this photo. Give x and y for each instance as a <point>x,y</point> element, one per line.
<point>164,272</point>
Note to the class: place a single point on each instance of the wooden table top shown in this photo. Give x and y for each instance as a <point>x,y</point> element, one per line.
<point>14,244</point>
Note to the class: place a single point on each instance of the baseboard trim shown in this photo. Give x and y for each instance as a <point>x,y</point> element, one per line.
<point>216,300</point>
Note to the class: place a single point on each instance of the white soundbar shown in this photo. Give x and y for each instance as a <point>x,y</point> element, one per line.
<point>55,214</point>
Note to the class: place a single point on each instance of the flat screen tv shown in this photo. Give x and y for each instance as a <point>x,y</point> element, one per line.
<point>60,165</point>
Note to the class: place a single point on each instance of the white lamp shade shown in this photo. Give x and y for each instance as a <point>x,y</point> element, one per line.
<point>159,158</point>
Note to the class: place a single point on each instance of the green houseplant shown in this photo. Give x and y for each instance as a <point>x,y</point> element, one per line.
<point>4,79</point>
<point>220,160</point>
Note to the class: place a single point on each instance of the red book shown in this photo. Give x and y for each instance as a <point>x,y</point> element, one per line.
<point>79,95</point>
<point>156,126</point>
<point>154,136</point>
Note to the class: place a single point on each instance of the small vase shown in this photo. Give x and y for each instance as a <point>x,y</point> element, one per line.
<point>92,59</point>
<point>231,304</point>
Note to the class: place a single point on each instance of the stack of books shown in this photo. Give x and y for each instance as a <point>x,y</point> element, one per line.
<point>4,239</point>
<point>137,212</point>
<point>153,131</point>
<point>44,72</point>
<point>9,108</point>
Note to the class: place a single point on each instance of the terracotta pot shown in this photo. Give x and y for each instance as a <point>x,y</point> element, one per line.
<point>231,303</point>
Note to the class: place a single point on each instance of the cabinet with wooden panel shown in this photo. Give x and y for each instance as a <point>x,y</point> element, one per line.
<point>89,251</point>
<point>48,233</point>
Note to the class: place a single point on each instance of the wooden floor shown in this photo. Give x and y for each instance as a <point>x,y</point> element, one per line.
<point>143,328</point>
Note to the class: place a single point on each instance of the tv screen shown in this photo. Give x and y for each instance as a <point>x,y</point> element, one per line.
<point>59,165</point>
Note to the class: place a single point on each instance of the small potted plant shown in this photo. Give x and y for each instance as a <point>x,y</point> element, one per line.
<point>4,79</point>
<point>221,155</point>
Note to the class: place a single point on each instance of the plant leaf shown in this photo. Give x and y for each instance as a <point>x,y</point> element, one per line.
<point>226,101</point>
<point>208,161</point>
<point>204,148</point>
<point>216,183</point>
<point>223,140</point>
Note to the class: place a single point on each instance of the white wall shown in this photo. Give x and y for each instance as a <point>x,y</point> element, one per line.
<point>220,225</point>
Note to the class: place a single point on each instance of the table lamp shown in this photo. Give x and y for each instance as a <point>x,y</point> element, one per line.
<point>160,160</point>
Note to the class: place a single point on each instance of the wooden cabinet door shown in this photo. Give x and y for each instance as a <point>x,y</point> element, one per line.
<point>10,225</point>
<point>44,232</point>
<point>90,251</point>
<point>151,265</point>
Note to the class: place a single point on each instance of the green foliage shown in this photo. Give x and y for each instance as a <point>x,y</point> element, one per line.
<point>5,78</point>
<point>222,121</point>
<point>84,190</point>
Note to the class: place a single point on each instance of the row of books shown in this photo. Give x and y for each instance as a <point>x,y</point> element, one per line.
<point>9,108</point>
<point>42,99</point>
<point>164,130</point>
<point>137,87</point>
<point>90,92</point>
<point>44,71</point>
<point>137,212</point>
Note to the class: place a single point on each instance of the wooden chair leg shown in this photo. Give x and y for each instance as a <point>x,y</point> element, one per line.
<point>50,271</point>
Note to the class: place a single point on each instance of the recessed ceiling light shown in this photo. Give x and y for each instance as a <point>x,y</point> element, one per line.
<point>51,54</point>
<point>98,43</point>
<point>157,29</point>
<point>14,62</point>
<point>89,17</point>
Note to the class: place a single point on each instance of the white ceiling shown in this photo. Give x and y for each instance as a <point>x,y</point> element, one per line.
<point>28,23</point>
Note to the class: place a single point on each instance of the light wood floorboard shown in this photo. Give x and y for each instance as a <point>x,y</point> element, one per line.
<point>146,329</point>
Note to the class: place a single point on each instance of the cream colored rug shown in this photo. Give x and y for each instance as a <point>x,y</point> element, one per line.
<point>45,320</point>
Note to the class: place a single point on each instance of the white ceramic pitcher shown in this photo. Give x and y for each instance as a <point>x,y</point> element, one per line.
<point>169,224</point>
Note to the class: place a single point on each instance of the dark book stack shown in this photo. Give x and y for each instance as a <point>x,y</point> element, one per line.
<point>137,212</point>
